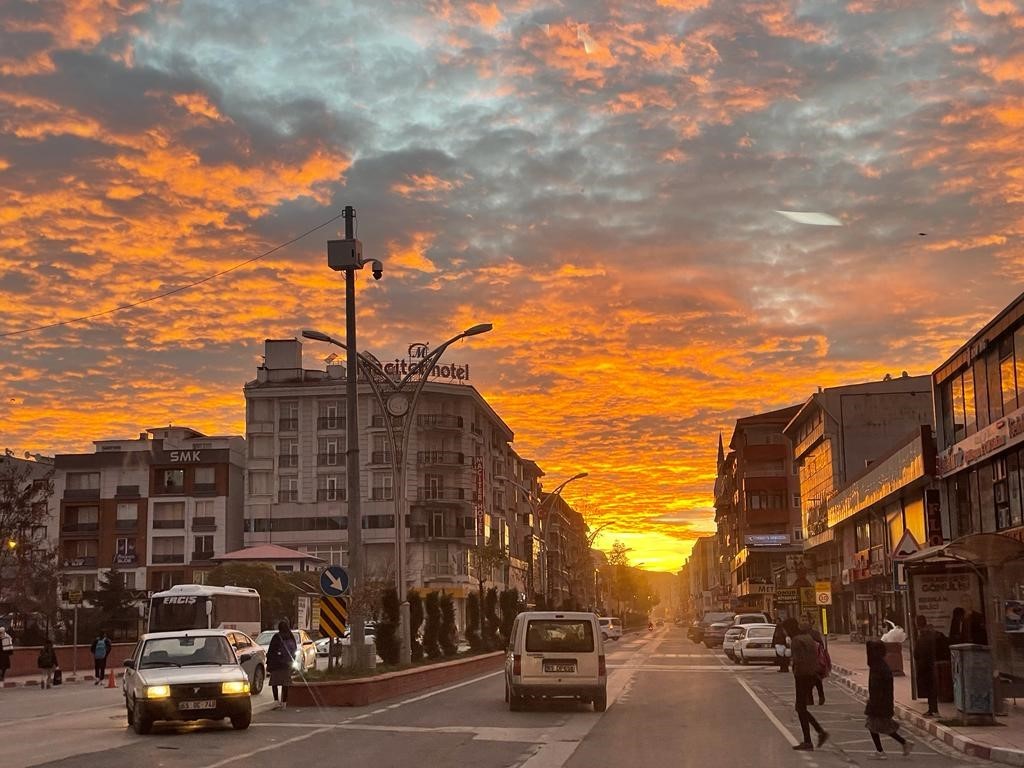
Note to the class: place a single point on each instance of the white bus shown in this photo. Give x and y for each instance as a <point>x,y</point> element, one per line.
<point>197,606</point>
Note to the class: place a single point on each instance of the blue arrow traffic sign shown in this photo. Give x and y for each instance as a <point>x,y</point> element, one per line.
<point>334,581</point>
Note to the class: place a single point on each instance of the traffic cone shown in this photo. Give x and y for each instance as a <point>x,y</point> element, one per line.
<point>110,680</point>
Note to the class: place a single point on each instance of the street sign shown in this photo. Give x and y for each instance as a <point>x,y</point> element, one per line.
<point>824,598</point>
<point>907,545</point>
<point>823,592</point>
<point>333,616</point>
<point>334,581</point>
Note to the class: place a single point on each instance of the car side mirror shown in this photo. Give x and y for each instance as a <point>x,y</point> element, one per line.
<point>129,663</point>
<point>244,657</point>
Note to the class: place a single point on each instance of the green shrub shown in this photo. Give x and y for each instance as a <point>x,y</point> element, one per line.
<point>449,632</point>
<point>415,622</point>
<point>473,622</point>
<point>510,606</point>
<point>389,645</point>
<point>491,641</point>
<point>432,627</point>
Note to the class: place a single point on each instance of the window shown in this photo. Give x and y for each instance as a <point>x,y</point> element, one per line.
<point>995,394</point>
<point>83,519</point>
<point>204,509</point>
<point>124,546</point>
<point>261,446</point>
<point>559,636</point>
<point>289,421</point>
<point>162,580</point>
<point>330,488</point>
<point>172,479</point>
<point>168,549</point>
<point>289,490</point>
<point>981,392</point>
<point>1007,374</point>
<point>437,527</point>
<point>433,486</point>
<point>381,449</point>
<point>333,554</point>
<point>261,410</point>
<point>796,501</point>
<point>959,417</point>
<point>83,481</point>
<point>169,514</point>
<point>128,579</point>
<point>203,546</point>
<point>205,476</point>
<point>127,515</point>
<point>330,451</point>
<point>329,415</point>
<point>382,486</point>
<point>259,483</point>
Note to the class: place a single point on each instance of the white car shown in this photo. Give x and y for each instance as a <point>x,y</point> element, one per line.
<point>732,636</point>
<point>252,657</point>
<point>756,644</point>
<point>192,674</point>
<point>611,628</point>
<point>305,658</point>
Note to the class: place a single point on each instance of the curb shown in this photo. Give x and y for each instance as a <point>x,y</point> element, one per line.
<point>943,733</point>
<point>70,680</point>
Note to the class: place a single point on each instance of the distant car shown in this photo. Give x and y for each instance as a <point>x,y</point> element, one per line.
<point>660,622</point>
<point>192,674</point>
<point>715,634</point>
<point>611,628</point>
<point>756,644</point>
<point>699,627</point>
<point>732,635</point>
<point>255,658</point>
<point>751,618</point>
<point>305,658</point>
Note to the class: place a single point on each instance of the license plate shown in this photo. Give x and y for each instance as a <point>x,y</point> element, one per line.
<point>550,666</point>
<point>757,645</point>
<point>201,704</point>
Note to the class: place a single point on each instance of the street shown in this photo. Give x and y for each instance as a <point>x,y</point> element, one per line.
<point>671,703</point>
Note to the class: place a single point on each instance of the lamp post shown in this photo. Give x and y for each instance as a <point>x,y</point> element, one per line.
<point>397,398</point>
<point>536,507</point>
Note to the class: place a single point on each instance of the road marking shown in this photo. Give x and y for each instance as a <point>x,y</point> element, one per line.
<point>793,741</point>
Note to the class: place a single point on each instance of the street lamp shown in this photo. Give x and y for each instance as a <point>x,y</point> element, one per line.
<point>398,409</point>
<point>536,507</point>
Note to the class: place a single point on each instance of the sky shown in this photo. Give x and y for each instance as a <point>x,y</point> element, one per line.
<point>599,180</point>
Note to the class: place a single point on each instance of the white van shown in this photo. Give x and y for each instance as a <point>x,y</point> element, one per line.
<point>611,628</point>
<point>554,654</point>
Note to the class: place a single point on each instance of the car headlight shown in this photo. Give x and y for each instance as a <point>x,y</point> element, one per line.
<point>158,691</point>
<point>234,686</point>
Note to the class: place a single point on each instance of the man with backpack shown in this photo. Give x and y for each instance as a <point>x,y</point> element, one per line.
<point>806,671</point>
<point>100,649</point>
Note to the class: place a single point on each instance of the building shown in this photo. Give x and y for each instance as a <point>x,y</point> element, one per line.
<point>570,563</point>
<point>757,508</point>
<point>459,453</point>
<point>703,568</point>
<point>836,434</point>
<point>158,508</point>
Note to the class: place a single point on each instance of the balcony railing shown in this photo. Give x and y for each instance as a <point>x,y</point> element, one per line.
<point>288,425</point>
<point>167,559</point>
<point>286,460</point>
<point>381,494</point>
<point>330,494</point>
<point>88,561</point>
<point>124,524</point>
<point>380,457</point>
<point>204,524</point>
<point>204,489</point>
<point>330,459</point>
<point>288,495</point>
<point>439,421</point>
<point>127,492</point>
<point>330,422</point>
<point>168,524</point>
<point>446,458</point>
<point>442,494</point>
<point>78,494</point>
<point>73,527</point>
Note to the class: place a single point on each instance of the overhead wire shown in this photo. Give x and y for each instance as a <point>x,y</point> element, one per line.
<point>172,291</point>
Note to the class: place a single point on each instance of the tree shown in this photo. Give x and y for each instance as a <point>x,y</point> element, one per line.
<point>388,644</point>
<point>485,557</point>
<point>473,622</point>
<point>415,621</point>
<point>116,604</point>
<point>490,635</point>
<point>449,632</point>
<point>432,628</point>
<point>621,574</point>
<point>510,607</point>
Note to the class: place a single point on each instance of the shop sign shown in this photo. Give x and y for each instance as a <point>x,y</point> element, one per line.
<point>885,478</point>
<point>864,598</point>
<point>766,539</point>
<point>787,596</point>
<point>1004,433</point>
<point>760,589</point>
<point>414,363</point>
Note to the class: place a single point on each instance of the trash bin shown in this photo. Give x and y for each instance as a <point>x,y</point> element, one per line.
<point>973,694</point>
<point>894,658</point>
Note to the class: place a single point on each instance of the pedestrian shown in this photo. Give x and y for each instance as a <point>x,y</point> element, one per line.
<point>819,680</point>
<point>100,650</point>
<point>779,641</point>
<point>924,664</point>
<point>281,662</point>
<point>6,651</point>
<point>880,707</point>
<point>46,661</point>
<point>805,672</point>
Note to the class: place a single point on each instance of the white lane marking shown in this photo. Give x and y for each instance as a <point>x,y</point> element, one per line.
<point>793,741</point>
<point>479,732</point>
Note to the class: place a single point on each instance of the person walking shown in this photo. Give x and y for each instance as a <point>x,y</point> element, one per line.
<point>819,679</point>
<point>880,708</point>
<point>46,661</point>
<point>805,672</point>
<point>281,662</point>
<point>100,650</point>
<point>779,641</point>
<point>924,664</point>
<point>6,651</point>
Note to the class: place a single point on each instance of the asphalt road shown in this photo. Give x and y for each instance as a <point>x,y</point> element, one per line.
<point>671,703</point>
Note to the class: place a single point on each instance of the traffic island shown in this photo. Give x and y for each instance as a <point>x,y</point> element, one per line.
<point>361,691</point>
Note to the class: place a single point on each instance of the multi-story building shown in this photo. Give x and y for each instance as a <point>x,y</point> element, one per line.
<point>157,508</point>
<point>569,562</point>
<point>458,453</point>
<point>703,568</point>
<point>757,506</point>
<point>836,434</point>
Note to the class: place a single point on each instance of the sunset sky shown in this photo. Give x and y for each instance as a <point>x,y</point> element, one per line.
<point>600,180</point>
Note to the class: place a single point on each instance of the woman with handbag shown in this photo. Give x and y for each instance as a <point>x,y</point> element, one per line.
<point>880,708</point>
<point>281,662</point>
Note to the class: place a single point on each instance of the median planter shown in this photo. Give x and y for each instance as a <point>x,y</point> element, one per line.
<point>360,691</point>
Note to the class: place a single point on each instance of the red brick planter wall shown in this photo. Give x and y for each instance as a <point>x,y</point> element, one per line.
<point>23,660</point>
<point>367,690</point>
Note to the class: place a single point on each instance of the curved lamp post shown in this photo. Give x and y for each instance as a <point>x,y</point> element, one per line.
<point>397,398</point>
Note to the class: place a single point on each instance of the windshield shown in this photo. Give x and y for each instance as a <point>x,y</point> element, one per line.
<point>186,651</point>
<point>172,614</point>
<point>761,632</point>
<point>559,635</point>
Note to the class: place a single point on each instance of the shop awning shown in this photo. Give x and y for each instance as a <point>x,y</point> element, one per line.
<point>983,550</point>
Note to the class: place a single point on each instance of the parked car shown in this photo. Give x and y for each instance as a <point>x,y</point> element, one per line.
<point>732,635</point>
<point>193,674</point>
<point>555,654</point>
<point>611,628</point>
<point>714,635</point>
<point>255,659</point>
<point>697,630</point>
<point>305,658</point>
<point>756,644</point>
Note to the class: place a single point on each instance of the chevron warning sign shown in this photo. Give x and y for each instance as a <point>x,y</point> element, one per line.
<point>333,616</point>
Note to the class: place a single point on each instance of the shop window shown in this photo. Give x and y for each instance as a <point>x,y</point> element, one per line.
<point>970,422</point>
<point>981,392</point>
<point>995,393</point>
<point>1013,464</point>
<point>1007,374</point>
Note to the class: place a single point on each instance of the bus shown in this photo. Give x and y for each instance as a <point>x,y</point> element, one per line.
<point>197,606</point>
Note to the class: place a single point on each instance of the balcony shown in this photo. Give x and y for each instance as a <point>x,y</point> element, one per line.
<point>204,524</point>
<point>123,524</point>
<point>288,460</point>
<point>204,489</point>
<point>330,422</point>
<point>87,561</point>
<point>288,425</point>
<point>439,421</point>
<point>127,492</point>
<point>330,459</point>
<point>168,525</point>
<point>442,494</point>
<point>75,527</point>
<point>330,494</point>
<point>287,495</point>
<point>440,458</point>
<point>382,494</point>
<point>169,490</point>
<point>380,457</point>
<point>201,556</point>
<point>81,494</point>
<point>169,559</point>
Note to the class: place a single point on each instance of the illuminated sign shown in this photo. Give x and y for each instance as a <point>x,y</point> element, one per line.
<point>415,360</point>
<point>1001,434</point>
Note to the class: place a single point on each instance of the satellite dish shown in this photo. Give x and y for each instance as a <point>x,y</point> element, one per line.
<point>330,358</point>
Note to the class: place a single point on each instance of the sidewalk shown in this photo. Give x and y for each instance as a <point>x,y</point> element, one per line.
<point>1003,743</point>
<point>32,681</point>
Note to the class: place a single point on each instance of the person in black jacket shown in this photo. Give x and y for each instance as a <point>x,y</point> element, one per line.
<point>880,707</point>
<point>281,662</point>
<point>779,641</point>
<point>924,662</point>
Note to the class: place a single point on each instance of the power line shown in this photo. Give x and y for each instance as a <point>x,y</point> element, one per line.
<point>173,291</point>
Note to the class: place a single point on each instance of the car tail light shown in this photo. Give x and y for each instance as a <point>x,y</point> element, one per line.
<point>517,665</point>
<point>602,666</point>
